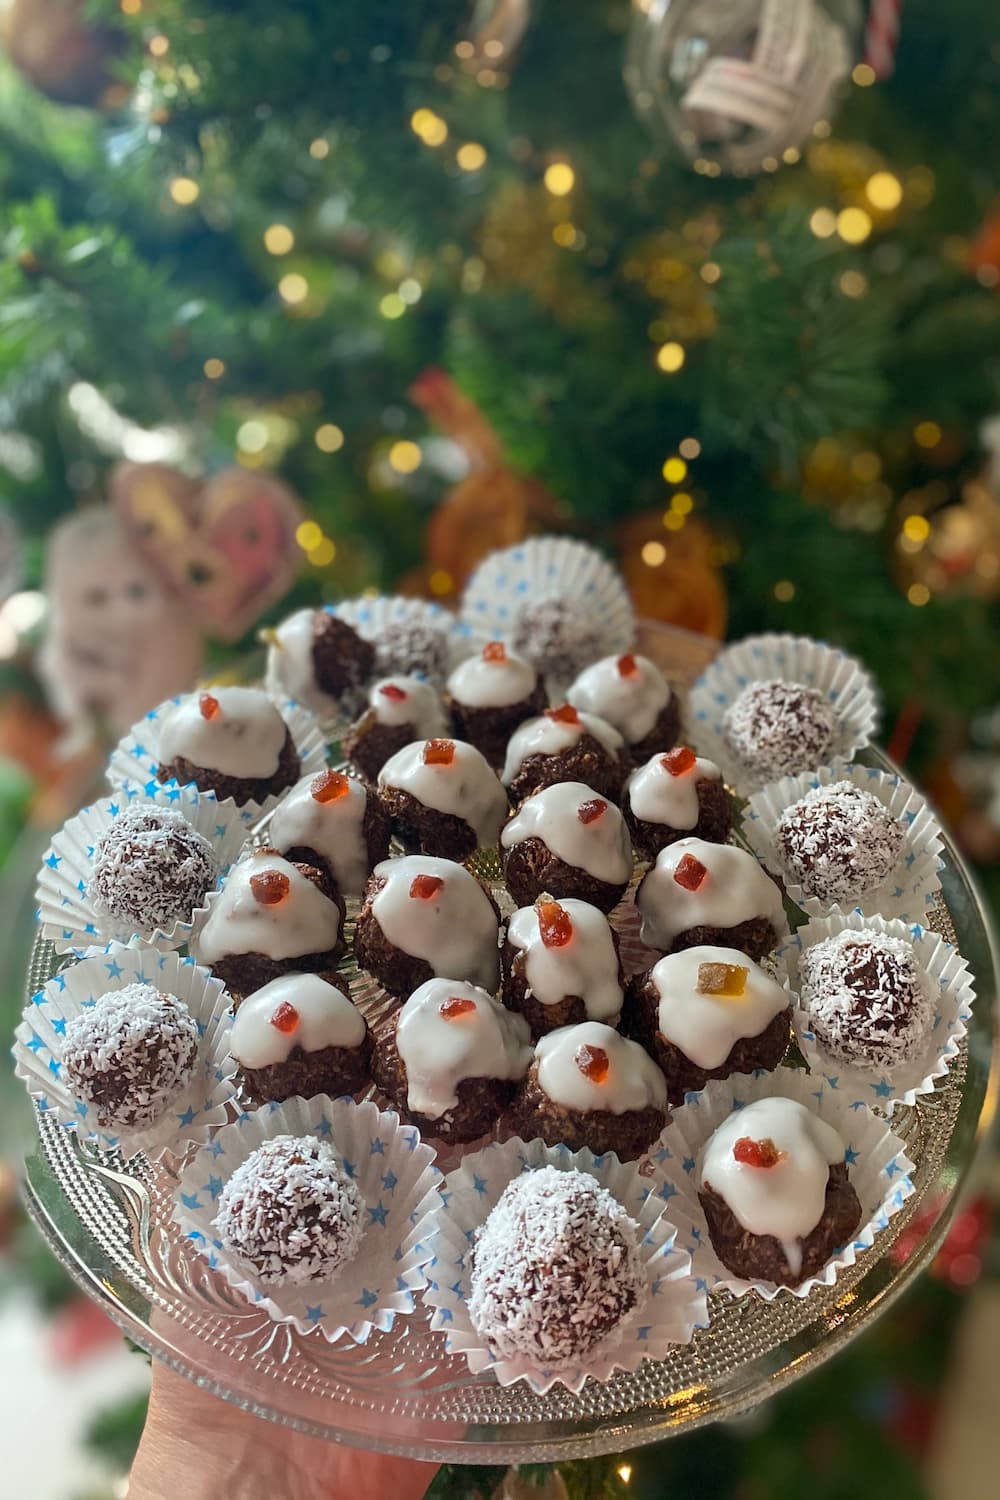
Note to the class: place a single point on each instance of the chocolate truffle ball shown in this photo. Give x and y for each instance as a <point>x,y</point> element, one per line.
<point>400,710</point>
<point>151,869</point>
<point>870,1004</point>
<point>674,796</point>
<point>130,1055</point>
<point>416,644</point>
<point>231,741</point>
<point>566,841</point>
<point>565,745</point>
<point>559,635</point>
<point>780,728</point>
<point>302,1035</point>
<point>838,842</point>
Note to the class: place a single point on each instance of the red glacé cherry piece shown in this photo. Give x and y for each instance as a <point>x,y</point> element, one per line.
<point>495,651</point>
<point>564,714</point>
<point>455,1006</point>
<point>690,873</point>
<point>589,812</point>
<point>627,665</point>
<point>270,887</point>
<point>753,1153</point>
<point>678,761</point>
<point>285,1018</point>
<point>425,887</point>
<point>329,786</point>
<point>439,752</point>
<point>554,925</point>
<point>592,1062</point>
<point>392,692</point>
<point>209,707</point>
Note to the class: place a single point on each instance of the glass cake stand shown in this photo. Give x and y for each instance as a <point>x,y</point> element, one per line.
<point>111,1227</point>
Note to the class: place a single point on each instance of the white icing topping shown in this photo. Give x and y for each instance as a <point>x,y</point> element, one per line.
<point>586,966</point>
<point>707,1027</point>
<point>438,1052</point>
<point>455,931</point>
<point>244,738</point>
<point>548,736</point>
<point>290,669</point>
<point>633,1080</point>
<point>600,848</point>
<point>787,1200</point>
<point>467,787</point>
<point>332,829</point>
<point>657,796</point>
<point>735,890</point>
<point>631,702</point>
<point>306,921</point>
<point>420,707</point>
<point>481,683</point>
<point>326,1019</point>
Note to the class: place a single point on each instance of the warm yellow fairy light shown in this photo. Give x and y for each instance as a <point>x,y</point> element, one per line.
<point>916,529</point>
<point>653,554</point>
<point>853,283</point>
<point>689,447</point>
<point>184,190</point>
<point>927,434</point>
<point>884,191</point>
<point>823,223</point>
<point>214,369</point>
<point>682,504</point>
<point>392,305</point>
<point>918,594</point>
<point>278,239</point>
<point>559,178</point>
<point>674,520</point>
<point>564,235</point>
<point>430,127</point>
<point>159,45</point>
<point>410,290</point>
<point>464,50</point>
<point>319,148</point>
<point>784,590</point>
<point>405,456</point>
<point>674,470</point>
<point>624,1473</point>
<point>493,48</point>
<point>670,357</point>
<point>863,75</point>
<point>328,438</point>
<point>308,535</point>
<point>791,155</point>
<point>471,156</point>
<point>252,436</point>
<point>853,225</point>
<point>130,7</point>
<point>866,466</point>
<point>440,582</point>
<point>710,272</point>
<point>322,555</point>
<point>293,287</point>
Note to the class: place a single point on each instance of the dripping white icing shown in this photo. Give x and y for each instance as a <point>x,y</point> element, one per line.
<point>548,736</point>
<point>586,966</point>
<point>707,1027</point>
<point>482,683</point>
<point>632,701</point>
<point>244,738</point>
<point>601,848</point>
<point>306,921</point>
<point>332,829</point>
<point>290,668</point>
<point>438,1052</point>
<point>787,1200</point>
<point>735,890</point>
<point>455,931</point>
<point>633,1080</point>
<point>655,795</point>
<point>468,786</point>
<point>326,1018</point>
<point>419,706</point>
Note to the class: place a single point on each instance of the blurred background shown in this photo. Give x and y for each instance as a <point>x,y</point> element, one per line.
<point>298,301</point>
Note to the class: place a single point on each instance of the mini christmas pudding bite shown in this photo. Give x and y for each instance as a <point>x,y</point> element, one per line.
<point>334,822</point>
<point>774,1187</point>
<point>451,1058</point>
<point>631,694</point>
<point>567,841</point>
<point>673,796</point>
<point>489,695</point>
<point>231,741</point>
<point>400,710</point>
<point>869,1002</point>
<point>589,1086</point>
<point>706,1013</point>
<point>290,1213</point>
<point>130,1055</point>
<point>838,842</point>
<point>563,744</point>
<point>777,728</point>
<point>556,1269</point>
<point>698,893</point>
<point>271,917</point>
<point>424,918</point>
<point>320,661</point>
<point>300,1034</point>
<point>560,965</point>
<point>151,870</point>
<point>442,797</point>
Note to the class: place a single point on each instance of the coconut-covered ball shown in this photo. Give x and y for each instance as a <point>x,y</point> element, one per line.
<point>130,1055</point>
<point>870,1004</point>
<point>151,869</point>
<point>556,1268</point>
<point>780,728</point>
<point>290,1212</point>
<point>560,636</point>
<point>838,842</point>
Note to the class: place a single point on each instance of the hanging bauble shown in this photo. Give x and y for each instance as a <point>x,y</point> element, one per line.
<point>732,87</point>
<point>63,52</point>
<point>672,574</point>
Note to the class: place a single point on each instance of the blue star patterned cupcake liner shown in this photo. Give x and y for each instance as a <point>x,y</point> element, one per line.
<point>878,1168</point>
<point>132,768</point>
<point>909,888</point>
<point>38,1047</point>
<point>789,658</point>
<point>376,620</point>
<point>672,1310</point>
<point>951,984</point>
<point>400,1188</point>
<point>65,911</point>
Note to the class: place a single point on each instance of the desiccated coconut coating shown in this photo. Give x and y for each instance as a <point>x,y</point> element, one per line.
<point>780,728</point>
<point>130,1054</point>
<point>151,869</point>
<point>869,1002</point>
<point>838,841</point>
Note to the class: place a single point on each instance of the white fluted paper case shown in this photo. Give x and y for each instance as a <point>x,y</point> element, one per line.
<point>951,980</point>
<point>790,658</point>
<point>38,1047</point>
<point>674,1308</point>
<point>65,912</point>
<point>911,886</point>
<point>132,768</point>
<point>374,620</point>
<point>878,1167</point>
<point>397,1179</point>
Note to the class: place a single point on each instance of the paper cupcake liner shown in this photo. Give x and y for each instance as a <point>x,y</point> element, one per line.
<point>674,1309</point>
<point>66,914</point>
<point>909,888</point>
<point>371,617</point>
<point>38,1047</point>
<point>400,1186</point>
<point>878,1166</point>
<point>948,973</point>
<point>791,658</point>
<point>133,764</point>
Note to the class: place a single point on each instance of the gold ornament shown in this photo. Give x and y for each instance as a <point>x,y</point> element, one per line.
<point>676,269</point>
<point>948,544</point>
<point>673,575</point>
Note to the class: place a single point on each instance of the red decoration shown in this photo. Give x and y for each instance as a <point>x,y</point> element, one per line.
<point>426,887</point>
<point>678,761</point>
<point>270,887</point>
<point>627,665</point>
<point>690,873</point>
<point>554,925</point>
<point>495,651</point>
<point>285,1018</point>
<point>209,707</point>
<point>455,1006</point>
<point>439,752</point>
<point>329,786</point>
<point>593,1063</point>
<point>589,812</point>
<point>564,714</point>
<point>751,1153</point>
<point>392,692</point>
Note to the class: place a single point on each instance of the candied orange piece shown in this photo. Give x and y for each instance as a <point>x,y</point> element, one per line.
<point>554,925</point>
<point>208,706</point>
<point>757,1153</point>
<point>285,1018</point>
<point>593,1063</point>
<point>392,692</point>
<point>455,1006</point>
<point>564,714</point>
<point>678,761</point>
<point>589,812</point>
<point>439,752</point>
<point>627,665</point>
<point>329,786</point>
<point>690,873</point>
<point>270,887</point>
<point>728,980</point>
<point>495,651</point>
<point>425,887</point>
